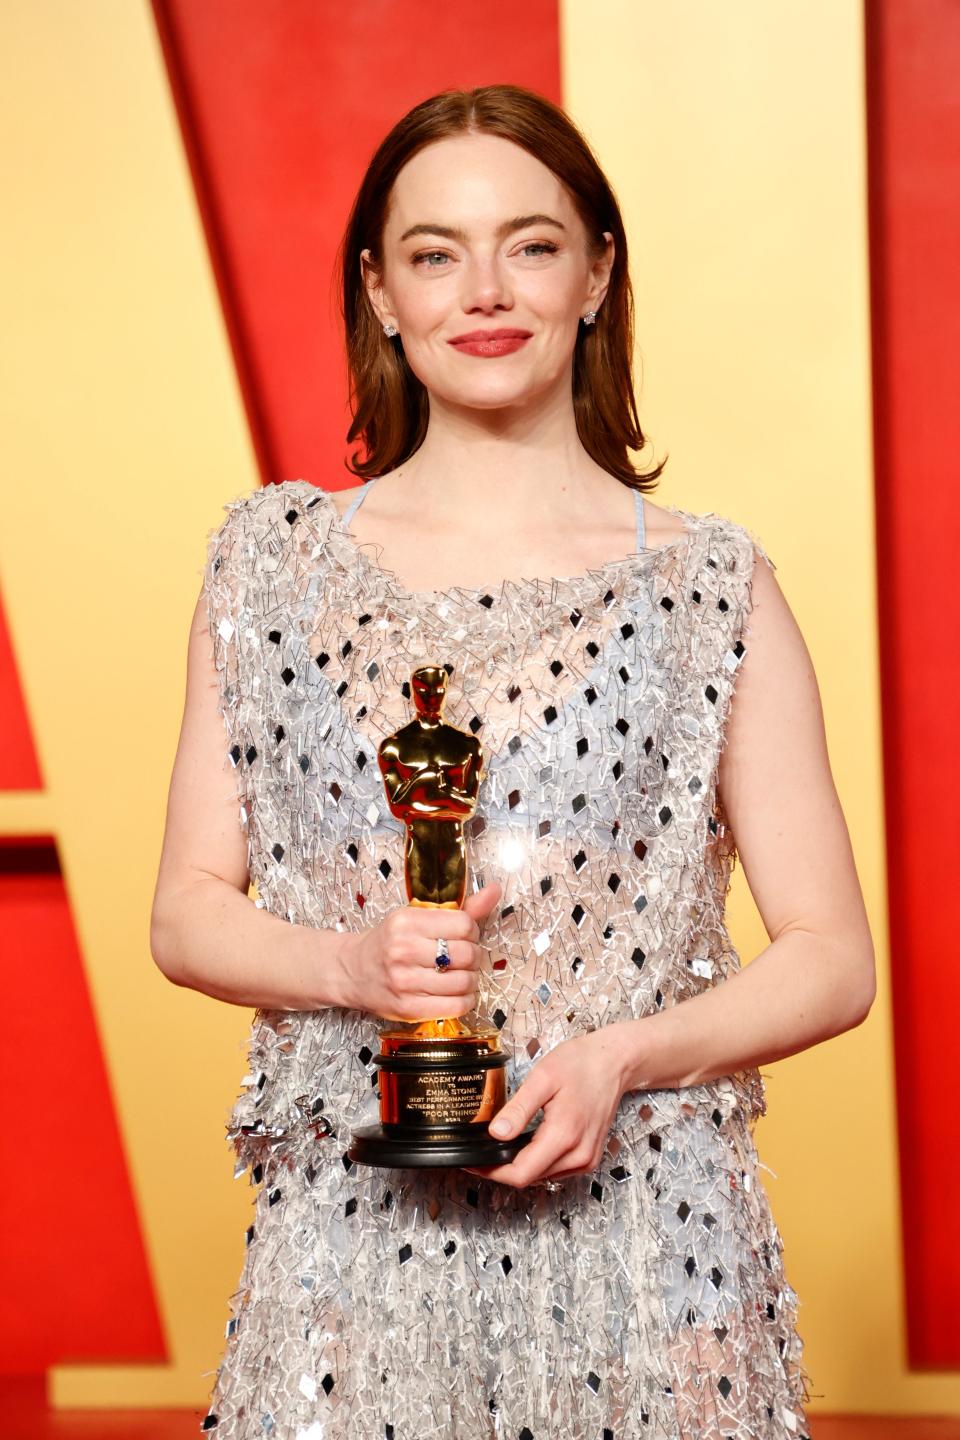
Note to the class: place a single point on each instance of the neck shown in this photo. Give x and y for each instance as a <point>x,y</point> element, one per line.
<point>521,455</point>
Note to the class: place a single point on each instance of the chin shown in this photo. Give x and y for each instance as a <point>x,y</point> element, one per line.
<point>490,396</point>
<point>505,400</point>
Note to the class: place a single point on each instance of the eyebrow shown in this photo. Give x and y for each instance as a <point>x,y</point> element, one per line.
<point>452,232</point>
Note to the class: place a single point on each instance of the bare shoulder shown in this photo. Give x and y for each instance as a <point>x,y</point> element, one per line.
<point>774,639</point>
<point>777,699</point>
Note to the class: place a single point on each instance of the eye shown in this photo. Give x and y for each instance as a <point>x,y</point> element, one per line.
<point>546,247</point>
<point>430,255</point>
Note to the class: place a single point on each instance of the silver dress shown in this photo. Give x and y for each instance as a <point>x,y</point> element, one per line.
<point>646,1300</point>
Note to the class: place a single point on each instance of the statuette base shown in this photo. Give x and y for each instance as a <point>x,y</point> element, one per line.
<point>371,1145</point>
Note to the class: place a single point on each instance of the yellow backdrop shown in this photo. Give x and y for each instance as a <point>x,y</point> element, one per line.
<point>735,138</point>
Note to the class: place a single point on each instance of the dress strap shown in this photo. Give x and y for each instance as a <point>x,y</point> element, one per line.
<point>641,522</point>
<point>355,504</point>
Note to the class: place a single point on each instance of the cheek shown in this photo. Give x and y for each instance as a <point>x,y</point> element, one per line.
<point>552,298</point>
<point>422,307</point>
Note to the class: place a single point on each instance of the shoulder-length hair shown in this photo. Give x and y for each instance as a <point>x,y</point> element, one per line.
<point>388,402</point>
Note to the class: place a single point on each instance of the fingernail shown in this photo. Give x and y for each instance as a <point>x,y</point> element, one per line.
<point>500,1127</point>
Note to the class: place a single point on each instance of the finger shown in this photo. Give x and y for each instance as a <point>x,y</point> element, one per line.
<point>437,920</point>
<point>520,1109</point>
<point>534,1161</point>
<point>565,1165</point>
<point>412,980</point>
<point>509,1174</point>
<point>423,923</point>
<point>480,904</point>
<point>453,984</point>
<point>561,1169</point>
<point>501,1173</point>
<point>421,1008</point>
<point>567,1172</point>
<point>462,954</point>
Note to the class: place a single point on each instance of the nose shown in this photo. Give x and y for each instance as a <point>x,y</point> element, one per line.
<point>485,285</point>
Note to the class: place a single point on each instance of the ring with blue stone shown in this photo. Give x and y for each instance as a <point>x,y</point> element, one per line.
<point>442,961</point>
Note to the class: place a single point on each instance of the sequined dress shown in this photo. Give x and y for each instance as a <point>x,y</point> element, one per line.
<point>646,1300</point>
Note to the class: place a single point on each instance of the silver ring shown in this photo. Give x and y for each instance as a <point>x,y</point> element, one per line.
<point>442,961</point>
<point>552,1185</point>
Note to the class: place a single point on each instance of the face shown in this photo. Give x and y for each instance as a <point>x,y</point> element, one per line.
<point>429,687</point>
<point>457,262</point>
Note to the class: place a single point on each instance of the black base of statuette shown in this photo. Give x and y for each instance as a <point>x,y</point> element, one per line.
<point>373,1145</point>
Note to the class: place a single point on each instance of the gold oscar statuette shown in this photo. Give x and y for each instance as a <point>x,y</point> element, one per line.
<point>441,1081</point>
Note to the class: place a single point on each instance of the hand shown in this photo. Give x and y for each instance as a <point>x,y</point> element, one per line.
<point>579,1084</point>
<point>389,969</point>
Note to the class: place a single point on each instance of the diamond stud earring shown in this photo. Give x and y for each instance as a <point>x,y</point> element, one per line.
<point>390,331</point>
<point>590,318</point>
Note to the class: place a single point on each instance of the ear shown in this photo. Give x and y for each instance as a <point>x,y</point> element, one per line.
<point>372,278</point>
<point>600,273</point>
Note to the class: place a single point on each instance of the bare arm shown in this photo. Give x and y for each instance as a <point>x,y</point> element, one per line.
<point>817,977</point>
<point>205,932</point>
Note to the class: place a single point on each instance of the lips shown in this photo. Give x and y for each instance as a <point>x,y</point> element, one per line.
<point>475,335</point>
<point>490,344</point>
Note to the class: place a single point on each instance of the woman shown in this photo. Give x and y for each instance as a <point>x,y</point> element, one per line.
<point>622,1276</point>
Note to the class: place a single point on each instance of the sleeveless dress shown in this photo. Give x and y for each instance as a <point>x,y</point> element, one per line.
<point>646,1300</point>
